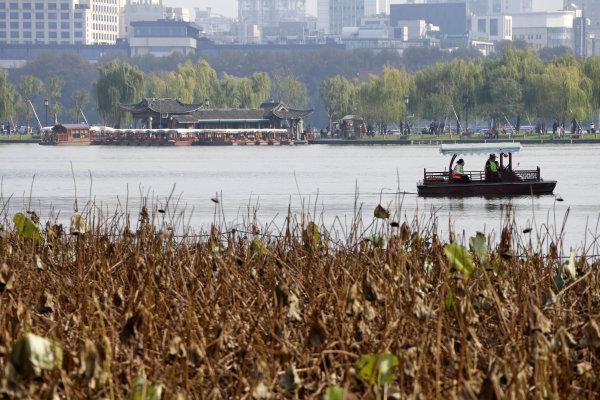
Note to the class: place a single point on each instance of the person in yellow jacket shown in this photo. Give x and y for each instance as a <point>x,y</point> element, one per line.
<point>492,169</point>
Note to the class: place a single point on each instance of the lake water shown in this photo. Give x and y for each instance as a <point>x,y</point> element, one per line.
<point>319,178</point>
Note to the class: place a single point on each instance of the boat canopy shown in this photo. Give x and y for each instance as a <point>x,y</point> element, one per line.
<point>479,148</point>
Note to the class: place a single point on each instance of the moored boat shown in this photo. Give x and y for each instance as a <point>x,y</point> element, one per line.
<point>509,181</point>
<point>67,134</point>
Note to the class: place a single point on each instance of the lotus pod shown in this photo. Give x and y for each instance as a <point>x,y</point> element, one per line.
<point>144,390</point>
<point>78,225</point>
<point>381,213</point>
<point>31,354</point>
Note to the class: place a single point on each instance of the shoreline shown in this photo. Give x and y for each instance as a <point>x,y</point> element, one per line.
<point>437,142</point>
<point>395,142</point>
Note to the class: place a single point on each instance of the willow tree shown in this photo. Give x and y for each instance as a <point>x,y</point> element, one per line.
<point>205,81</point>
<point>30,87</point>
<point>449,89</point>
<point>53,92</point>
<point>119,83</point>
<point>289,90</point>
<point>242,92</point>
<point>562,92</point>
<point>192,83</point>
<point>507,76</point>
<point>395,88</point>
<point>79,99</point>
<point>338,96</point>
<point>591,68</point>
<point>382,99</point>
<point>8,97</point>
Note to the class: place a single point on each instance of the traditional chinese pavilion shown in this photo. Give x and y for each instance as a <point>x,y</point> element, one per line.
<point>173,114</point>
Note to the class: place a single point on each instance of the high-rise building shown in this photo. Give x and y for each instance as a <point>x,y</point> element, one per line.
<point>146,10</point>
<point>149,10</point>
<point>590,9</point>
<point>489,7</point>
<point>450,17</point>
<point>59,21</point>
<point>270,12</point>
<point>545,29</point>
<point>254,15</point>
<point>333,15</point>
<point>376,7</point>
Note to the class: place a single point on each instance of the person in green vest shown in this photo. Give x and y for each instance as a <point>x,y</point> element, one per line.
<point>492,169</point>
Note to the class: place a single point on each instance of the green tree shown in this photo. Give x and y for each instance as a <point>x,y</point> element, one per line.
<point>241,92</point>
<point>261,88</point>
<point>562,92</point>
<point>53,92</point>
<point>205,81</point>
<point>80,99</point>
<point>289,90</point>
<point>591,68</point>
<point>156,84</point>
<point>30,87</point>
<point>119,83</point>
<point>338,95</point>
<point>507,77</point>
<point>8,98</point>
<point>449,90</point>
<point>381,99</point>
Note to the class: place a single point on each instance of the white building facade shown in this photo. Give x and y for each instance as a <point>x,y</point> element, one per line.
<point>59,21</point>
<point>149,10</point>
<point>495,28</point>
<point>333,15</point>
<point>544,29</point>
<point>377,7</point>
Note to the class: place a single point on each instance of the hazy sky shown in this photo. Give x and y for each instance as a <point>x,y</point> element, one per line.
<point>226,7</point>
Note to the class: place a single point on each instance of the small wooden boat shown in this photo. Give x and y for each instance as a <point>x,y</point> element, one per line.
<point>511,182</point>
<point>66,135</point>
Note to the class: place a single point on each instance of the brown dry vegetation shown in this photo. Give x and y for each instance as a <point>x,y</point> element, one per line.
<point>215,318</point>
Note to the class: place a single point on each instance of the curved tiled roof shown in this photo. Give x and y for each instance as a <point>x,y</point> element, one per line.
<point>188,113</point>
<point>161,106</point>
<point>291,113</point>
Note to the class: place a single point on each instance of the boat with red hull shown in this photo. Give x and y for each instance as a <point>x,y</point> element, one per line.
<point>512,182</point>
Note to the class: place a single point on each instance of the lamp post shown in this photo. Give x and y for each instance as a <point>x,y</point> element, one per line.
<point>406,101</point>
<point>46,105</point>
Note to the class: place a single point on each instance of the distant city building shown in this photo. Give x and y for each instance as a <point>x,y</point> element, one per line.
<point>333,15</point>
<point>375,33</point>
<point>149,10</point>
<point>488,7</point>
<point>163,37</point>
<point>495,28</point>
<point>59,22</point>
<point>215,27</point>
<point>590,9</point>
<point>376,7</point>
<point>145,10</point>
<point>255,15</point>
<point>450,17</point>
<point>545,29</point>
